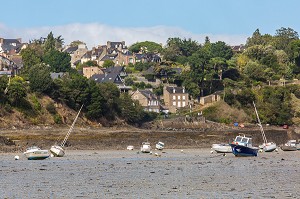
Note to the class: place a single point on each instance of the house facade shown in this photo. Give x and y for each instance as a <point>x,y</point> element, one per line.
<point>148,100</point>
<point>76,53</point>
<point>89,71</point>
<point>175,98</point>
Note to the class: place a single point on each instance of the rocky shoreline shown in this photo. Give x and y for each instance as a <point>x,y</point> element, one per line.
<point>118,138</point>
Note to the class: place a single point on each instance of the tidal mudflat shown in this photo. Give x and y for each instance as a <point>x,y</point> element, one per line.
<point>172,173</point>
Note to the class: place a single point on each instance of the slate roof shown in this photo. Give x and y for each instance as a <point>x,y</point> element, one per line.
<point>177,89</point>
<point>139,56</point>
<point>109,77</point>
<point>109,57</point>
<point>57,75</point>
<point>148,94</point>
<point>9,44</point>
<point>71,49</point>
<point>114,69</point>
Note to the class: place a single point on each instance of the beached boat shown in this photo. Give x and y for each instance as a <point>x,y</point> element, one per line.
<point>35,153</point>
<point>57,150</point>
<point>242,146</point>
<point>146,147</point>
<point>266,146</point>
<point>160,145</point>
<point>291,145</point>
<point>221,148</point>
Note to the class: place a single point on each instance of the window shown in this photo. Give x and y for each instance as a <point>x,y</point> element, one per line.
<point>183,97</point>
<point>179,104</point>
<point>183,104</point>
<point>174,103</point>
<point>174,97</point>
<point>178,97</point>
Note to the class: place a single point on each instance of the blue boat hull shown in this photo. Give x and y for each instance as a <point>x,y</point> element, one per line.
<point>239,150</point>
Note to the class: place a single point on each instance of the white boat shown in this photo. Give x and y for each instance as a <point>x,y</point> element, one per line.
<point>291,145</point>
<point>160,145</point>
<point>130,147</point>
<point>35,153</point>
<point>57,150</point>
<point>266,146</point>
<point>221,148</point>
<point>146,147</point>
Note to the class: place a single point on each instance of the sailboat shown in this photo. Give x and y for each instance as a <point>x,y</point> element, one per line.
<point>57,150</point>
<point>266,146</point>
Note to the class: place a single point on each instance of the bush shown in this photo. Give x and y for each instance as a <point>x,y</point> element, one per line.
<point>36,104</point>
<point>57,119</point>
<point>51,108</point>
<point>8,108</point>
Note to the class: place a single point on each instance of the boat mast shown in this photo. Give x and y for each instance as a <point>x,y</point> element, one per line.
<point>71,128</point>
<point>260,126</point>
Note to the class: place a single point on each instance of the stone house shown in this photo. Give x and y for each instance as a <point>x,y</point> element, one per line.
<point>175,98</point>
<point>148,100</point>
<point>76,53</point>
<point>215,97</point>
<point>114,74</point>
<point>89,71</point>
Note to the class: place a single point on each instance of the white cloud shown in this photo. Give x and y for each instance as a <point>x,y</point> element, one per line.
<point>94,34</point>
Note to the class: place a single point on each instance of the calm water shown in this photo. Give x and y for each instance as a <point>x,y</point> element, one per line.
<point>173,174</point>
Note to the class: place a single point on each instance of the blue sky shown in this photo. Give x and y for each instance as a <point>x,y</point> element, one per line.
<point>96,21</point>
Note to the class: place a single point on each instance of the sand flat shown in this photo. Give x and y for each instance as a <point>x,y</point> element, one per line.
<point>172,173</point>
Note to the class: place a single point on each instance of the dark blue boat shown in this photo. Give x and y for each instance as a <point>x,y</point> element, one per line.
<point>242,146</point>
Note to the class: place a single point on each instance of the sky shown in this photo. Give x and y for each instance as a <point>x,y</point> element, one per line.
<point>97,21</point>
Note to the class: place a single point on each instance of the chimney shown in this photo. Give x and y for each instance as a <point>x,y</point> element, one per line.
<point>183,90</point>
<point>173,89</point>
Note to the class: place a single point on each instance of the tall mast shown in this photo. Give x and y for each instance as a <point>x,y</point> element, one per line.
<point>260,126</point>
<point>71,128</point>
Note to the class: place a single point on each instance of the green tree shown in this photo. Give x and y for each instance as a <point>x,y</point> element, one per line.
<point>31,56</point>
<point>16,90</point>
<point>76,43</point>
<point>108,63</point>
<point>58,61</point>
<point>40,79</point>
<point>199,62</point>
<point>50,42</point>
<point>221,49</point>
<point>96,102</point>
<point>131,111</point>
<point>146,47</point>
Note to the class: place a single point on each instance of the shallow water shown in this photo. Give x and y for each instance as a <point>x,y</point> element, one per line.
<point>169,174</point>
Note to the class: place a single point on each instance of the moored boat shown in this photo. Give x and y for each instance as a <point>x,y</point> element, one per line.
<point>266,146</point>
<point>58,150</point>
<point>242,146</point>
<point>221,148</point>
<point>160,145</point>
<point>291,145</point>
<point>146,147</point>
<point>35,153</point>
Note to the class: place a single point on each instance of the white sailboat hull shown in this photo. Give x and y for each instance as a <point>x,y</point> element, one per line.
<point>57,151</point>
<point>268,147</point>
<point>35,153</point>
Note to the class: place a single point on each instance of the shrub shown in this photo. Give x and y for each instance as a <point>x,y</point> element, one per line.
<point>51,108</point>
<point>57,119</point>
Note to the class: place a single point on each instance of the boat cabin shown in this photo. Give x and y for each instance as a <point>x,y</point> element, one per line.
<point>243,140</point>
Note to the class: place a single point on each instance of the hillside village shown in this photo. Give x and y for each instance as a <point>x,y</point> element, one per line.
<point>172,99</point>
<point>180,78</point>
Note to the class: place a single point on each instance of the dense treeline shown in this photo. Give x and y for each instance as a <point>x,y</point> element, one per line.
<point>244,76</point>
